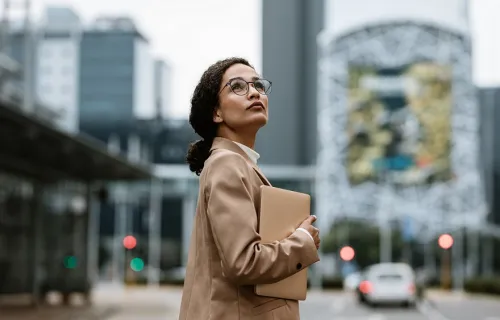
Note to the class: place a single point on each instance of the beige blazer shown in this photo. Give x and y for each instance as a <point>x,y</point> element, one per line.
<point>226,258</point>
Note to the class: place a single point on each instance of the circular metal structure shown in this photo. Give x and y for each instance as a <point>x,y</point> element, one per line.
<point>393,45</point>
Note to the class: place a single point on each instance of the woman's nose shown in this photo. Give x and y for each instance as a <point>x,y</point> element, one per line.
<point>252,92</point>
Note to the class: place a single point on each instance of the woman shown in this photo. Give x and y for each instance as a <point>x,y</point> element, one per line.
<point>226,259</point>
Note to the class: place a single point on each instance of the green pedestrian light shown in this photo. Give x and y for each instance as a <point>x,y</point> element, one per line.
<point>137,264</point>
<point>70,262</point>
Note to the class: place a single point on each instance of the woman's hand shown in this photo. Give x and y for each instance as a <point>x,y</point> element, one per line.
<point>313,231</point>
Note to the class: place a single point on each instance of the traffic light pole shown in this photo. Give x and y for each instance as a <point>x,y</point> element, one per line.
<point>119,234</point>
<point>445,269</point>
<point>458,261</point>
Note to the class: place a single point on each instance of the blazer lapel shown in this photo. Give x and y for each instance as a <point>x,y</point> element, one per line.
<point>261,175</point>
<point>222,143</point>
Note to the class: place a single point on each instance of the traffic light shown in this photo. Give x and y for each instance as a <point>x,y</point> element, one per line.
<point>445,241</point>
<point>347,253</point>
<point>70,262</point>
<point>137,264</point>
<point>129,242</point>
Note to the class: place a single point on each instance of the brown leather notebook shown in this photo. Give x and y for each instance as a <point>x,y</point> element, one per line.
<point>281,212</point>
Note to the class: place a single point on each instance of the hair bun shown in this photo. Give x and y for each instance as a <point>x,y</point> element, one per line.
<point>197,153</point>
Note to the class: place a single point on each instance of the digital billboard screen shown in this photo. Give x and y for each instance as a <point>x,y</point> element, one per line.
<point>399,124</point>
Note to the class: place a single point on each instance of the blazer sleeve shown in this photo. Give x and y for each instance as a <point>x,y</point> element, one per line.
<point>233,220</point>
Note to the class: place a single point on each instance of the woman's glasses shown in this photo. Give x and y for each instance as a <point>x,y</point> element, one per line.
<point>241,87</point>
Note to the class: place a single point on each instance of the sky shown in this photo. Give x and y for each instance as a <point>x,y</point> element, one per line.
<point>192,34</point>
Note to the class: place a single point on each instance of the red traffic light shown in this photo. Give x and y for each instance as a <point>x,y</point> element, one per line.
<point>347,253</point>
<point>445,241</point>
<point>129,242</point>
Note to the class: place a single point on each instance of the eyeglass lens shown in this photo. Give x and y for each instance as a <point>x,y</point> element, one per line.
<point>240,86</point>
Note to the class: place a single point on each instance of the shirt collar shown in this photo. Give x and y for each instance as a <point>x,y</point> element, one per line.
<point>252,154</point>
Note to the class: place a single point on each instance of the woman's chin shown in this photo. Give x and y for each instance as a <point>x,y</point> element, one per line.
<point>259,119</point>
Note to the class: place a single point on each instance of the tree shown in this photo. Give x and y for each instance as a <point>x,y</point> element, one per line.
<point>363,237</point>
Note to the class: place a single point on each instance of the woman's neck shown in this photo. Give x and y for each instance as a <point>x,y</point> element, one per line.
<point>247,140</point>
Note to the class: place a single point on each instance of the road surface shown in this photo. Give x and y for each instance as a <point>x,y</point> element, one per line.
<point>163,304</point>
<point>330,305</point>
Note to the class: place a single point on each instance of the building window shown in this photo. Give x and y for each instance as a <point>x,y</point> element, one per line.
<point>66,90</point>
<point>46,70</point>
<point>46,52</point>
<point>66,51</point>
<point>46,89</point>
<point>67,70</point>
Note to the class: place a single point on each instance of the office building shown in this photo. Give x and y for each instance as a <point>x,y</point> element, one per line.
<point>58,64</point>
<point>489,160</point>
<point>289,60</point>
<point>53,64</point>
<point>116,79</point>
<point>489,155</point>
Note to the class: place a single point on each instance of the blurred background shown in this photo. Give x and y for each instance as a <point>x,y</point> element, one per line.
<point>383,110</point>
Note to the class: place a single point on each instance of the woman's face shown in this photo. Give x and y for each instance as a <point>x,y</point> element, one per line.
<point>241,112</point>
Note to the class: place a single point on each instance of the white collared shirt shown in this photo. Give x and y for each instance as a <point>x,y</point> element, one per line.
<point>251,153</point>
<point>254,156</point>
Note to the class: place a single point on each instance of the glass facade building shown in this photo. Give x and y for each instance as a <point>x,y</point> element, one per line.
<point>106,81</point>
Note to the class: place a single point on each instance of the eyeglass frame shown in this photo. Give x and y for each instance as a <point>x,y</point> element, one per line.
<point>248,85</point>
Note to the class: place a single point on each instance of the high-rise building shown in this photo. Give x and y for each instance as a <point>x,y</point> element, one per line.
<point>289,60</point>
<point>58,64</point>
<point>489,162</point>
<point>489,155</point>
<point>54,62</point>
<point>116,79</point>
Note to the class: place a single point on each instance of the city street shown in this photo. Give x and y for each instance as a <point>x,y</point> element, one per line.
<point>112,303</point>
<point>163,304</point>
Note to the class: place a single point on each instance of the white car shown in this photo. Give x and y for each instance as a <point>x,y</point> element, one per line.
<point>388,283</point>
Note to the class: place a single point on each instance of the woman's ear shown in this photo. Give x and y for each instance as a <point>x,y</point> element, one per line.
<point>217,116</point>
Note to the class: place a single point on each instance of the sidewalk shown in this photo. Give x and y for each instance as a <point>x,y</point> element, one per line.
<point>440,294</point>
<point>140,302</point>
<point>108,303</point>
<point>55,313</point>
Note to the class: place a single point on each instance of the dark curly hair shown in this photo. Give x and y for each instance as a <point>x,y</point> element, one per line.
<point>204,102</point>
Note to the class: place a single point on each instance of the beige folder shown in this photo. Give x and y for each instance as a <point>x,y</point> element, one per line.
<point>281,212</point>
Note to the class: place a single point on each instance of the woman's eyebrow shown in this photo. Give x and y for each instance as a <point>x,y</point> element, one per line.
<point>241,78</point>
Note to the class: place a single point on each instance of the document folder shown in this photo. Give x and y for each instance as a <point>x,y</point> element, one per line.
<point>281,212</point>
